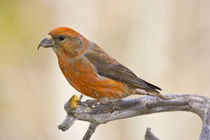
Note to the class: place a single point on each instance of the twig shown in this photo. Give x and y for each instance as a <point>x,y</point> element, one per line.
<point>97,113</point>
<point>90,131</point>
<point>149,135</point>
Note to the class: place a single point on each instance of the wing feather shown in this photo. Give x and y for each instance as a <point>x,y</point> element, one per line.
<point>108,67</point>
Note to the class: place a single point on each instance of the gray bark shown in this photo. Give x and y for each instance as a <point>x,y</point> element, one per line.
<point>97,113</point>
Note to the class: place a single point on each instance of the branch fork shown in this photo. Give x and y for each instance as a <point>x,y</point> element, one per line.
<point>97,113</point>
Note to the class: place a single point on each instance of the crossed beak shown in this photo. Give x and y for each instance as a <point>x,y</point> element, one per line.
<point>47,42</point>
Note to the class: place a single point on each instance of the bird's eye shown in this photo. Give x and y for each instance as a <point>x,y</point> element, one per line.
<point>61,38</point>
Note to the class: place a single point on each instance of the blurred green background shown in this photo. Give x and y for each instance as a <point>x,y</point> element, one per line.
<point>165,42</point>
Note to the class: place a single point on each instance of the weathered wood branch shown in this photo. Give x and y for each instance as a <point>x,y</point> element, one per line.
<point>97,113</point>
<point>149,135</point>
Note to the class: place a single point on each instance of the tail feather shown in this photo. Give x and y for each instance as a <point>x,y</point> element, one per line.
<point>153,86</point>
<point>150,92</point>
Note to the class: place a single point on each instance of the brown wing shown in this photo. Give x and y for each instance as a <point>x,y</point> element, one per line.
<point>109,67</point>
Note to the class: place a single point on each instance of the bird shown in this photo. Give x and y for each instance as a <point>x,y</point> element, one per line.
<point>91,71</point>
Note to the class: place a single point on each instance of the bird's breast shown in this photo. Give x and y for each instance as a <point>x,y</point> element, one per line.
<point>83,77</point>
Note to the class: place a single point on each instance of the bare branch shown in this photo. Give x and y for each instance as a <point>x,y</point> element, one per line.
<point>90,131</point>
<point>149,135</point>
<point>97,113</point>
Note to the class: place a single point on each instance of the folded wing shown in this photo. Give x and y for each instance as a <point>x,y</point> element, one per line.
<point>110,68</point>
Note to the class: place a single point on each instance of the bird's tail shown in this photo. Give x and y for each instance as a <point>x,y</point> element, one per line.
<point>150,92</point>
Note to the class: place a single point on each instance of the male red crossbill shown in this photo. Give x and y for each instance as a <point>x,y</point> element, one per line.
<point>92,71</point>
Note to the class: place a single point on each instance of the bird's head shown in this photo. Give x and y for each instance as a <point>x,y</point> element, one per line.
<point>64,40</point>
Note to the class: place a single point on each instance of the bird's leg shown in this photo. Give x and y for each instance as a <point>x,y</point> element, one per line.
<point>80,97</point>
